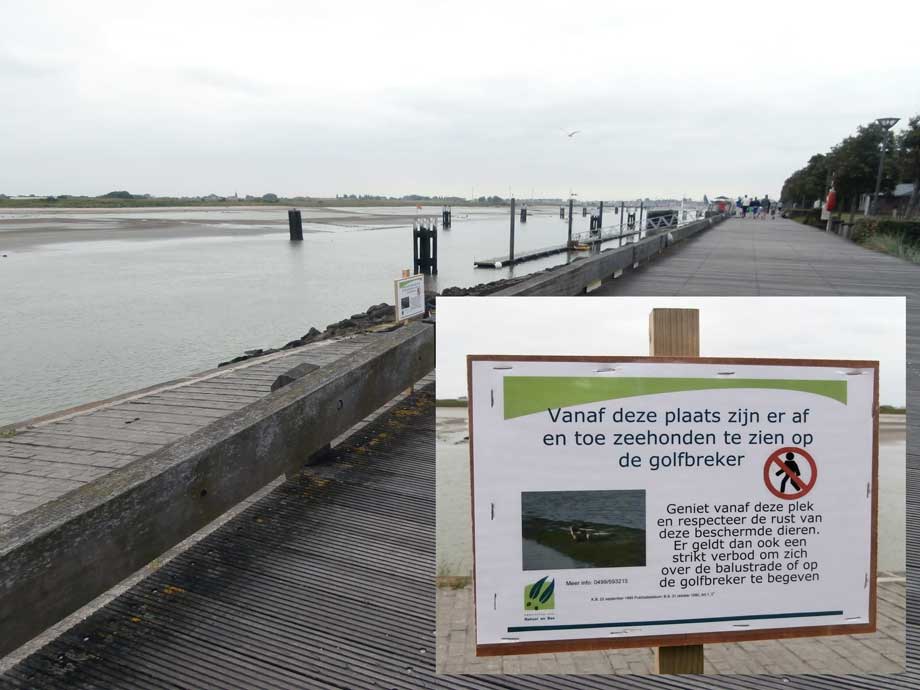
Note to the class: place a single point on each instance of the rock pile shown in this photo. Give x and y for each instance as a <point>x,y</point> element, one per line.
<point>356,323</point>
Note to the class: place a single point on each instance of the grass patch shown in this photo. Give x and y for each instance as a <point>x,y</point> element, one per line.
<point>449,402</point>
<point>896,245</point>
<point>7,432</point>
<point>891,409</point>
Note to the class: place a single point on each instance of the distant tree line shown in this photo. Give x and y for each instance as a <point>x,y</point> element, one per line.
<point>853,164</point>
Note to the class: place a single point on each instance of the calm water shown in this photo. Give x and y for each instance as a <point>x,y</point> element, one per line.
<point>626,508</point>
<point>548,559</point>
<point>102,303</point>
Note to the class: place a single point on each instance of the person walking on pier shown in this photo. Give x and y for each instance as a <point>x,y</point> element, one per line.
<point>765,206</point>
<point>745,205</point>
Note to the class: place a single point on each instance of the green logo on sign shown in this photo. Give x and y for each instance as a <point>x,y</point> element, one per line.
<point>539,596</point>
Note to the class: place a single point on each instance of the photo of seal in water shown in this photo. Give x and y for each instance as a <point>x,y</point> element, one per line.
<point>582,529</point>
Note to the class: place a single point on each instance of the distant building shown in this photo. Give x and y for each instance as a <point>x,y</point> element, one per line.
<point>892,204</point>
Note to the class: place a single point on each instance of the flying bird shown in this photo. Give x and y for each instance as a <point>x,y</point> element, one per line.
<point>572,133</point>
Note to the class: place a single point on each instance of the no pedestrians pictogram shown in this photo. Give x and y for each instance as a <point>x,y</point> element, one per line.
<point>783,475</point>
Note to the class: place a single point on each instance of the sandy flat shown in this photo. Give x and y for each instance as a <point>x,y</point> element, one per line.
<point>21,229</point>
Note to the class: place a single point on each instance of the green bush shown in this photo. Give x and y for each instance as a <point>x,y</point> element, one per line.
<point>906,231</point>
<point>895,245</point>
<point>810,216</point>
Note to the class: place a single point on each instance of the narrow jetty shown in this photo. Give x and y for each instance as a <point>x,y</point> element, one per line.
<point>50,456</point>
<point>587,240</point>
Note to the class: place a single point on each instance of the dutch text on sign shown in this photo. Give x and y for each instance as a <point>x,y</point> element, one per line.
<point>633,502</point>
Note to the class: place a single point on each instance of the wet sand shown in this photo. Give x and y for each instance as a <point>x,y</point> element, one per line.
<point>21,229</point>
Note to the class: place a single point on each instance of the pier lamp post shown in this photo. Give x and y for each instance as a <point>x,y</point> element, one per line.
<point>887,123</point>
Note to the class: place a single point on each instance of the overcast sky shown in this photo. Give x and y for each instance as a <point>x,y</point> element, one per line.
<point>870,328</point>
<point>435,97</point>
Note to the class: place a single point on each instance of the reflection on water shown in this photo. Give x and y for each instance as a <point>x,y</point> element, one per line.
<point>547,558</point>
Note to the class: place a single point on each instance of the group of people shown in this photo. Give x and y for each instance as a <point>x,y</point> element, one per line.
<point>756,208</point>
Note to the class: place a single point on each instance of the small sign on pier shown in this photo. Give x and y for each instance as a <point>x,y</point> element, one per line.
<point>410,296</point>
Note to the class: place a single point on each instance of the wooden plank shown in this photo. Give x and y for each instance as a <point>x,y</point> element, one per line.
<point>679,659</point>
<point>112,433</point>
<point>674,333</point>
<point>195,394</point>
<point>217,386</point>
<point>139,406</point>
<point>56,440</point>
<point>184,417</point>
<point>212,405</point>
<point>141,425</point>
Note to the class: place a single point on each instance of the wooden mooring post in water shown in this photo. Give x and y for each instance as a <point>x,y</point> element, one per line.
<point>295,224</point>
<point>600,216</point>
<point>446,217</point>
<point>511,247</point>
<point>571,202</point>
<point>523,213</point>
<point>425,247</point>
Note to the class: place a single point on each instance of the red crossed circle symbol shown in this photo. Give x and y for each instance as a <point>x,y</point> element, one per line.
<point>776,462</point>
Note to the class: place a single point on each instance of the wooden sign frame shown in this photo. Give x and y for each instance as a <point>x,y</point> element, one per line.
<point>601,643</point>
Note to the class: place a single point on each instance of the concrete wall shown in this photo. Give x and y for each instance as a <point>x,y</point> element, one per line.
<point>60,556</point>
<point>574,278</point>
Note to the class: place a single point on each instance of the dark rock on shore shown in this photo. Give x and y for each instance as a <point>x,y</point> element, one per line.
<point>378,314</point>
<point>357,323</point>
<point>481,289</point>
<point>292,375</point>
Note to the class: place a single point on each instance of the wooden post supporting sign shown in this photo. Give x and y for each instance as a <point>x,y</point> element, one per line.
<point>676,333</point>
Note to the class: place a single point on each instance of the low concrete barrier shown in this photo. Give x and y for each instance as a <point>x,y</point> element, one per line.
<point>58,557</point>
<point>575,277</point>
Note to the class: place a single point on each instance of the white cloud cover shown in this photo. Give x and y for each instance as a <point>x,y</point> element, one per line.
<point>789,327</point>
<point>440,98</point>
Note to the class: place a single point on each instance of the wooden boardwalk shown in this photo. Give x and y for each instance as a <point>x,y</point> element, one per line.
<point>60,453</point>
<point>328,581</point>
<point>531,254</point>
<point>781,257</point>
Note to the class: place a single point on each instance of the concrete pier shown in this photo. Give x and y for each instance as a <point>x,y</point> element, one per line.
<point>328,578</point>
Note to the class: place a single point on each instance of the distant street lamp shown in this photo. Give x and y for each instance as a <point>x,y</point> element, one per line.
<point>886,124</point>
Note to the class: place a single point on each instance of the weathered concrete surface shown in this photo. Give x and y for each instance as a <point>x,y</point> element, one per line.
<point>576,277</point>
<point>58,453</point>
<point>58,557</point>
<point>292,375</point>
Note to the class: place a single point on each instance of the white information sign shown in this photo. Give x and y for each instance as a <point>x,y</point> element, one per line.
<point>410,297</point>
<point>624,501</point>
